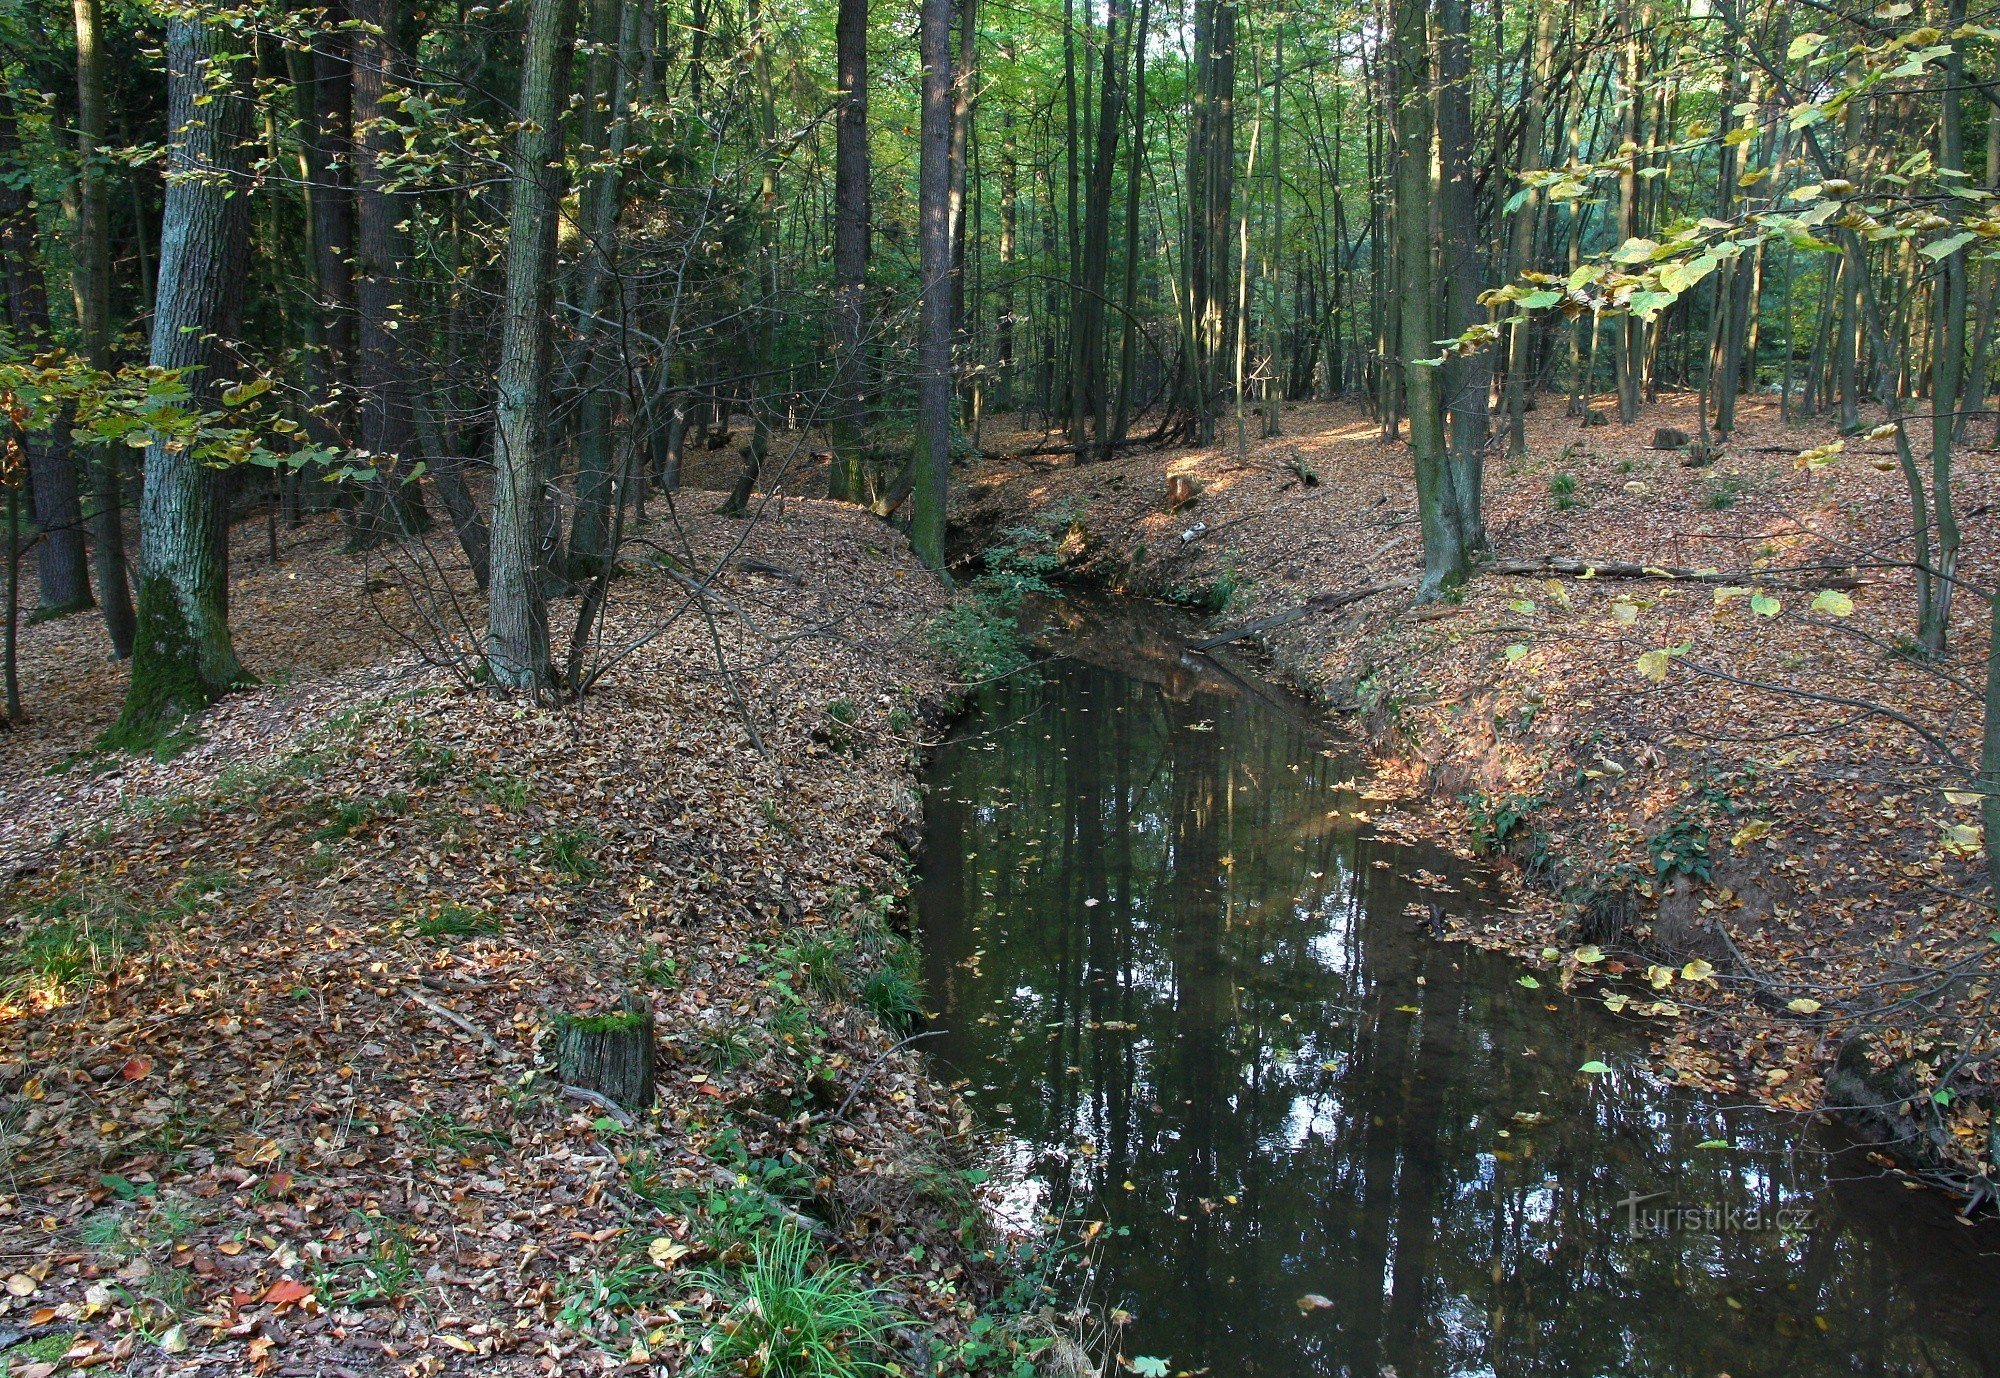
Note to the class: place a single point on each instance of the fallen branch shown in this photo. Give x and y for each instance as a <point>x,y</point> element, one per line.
<point>459,1021</point>
<point>1328,602</point>
<point>604,1103</point>
<point>1628,569</point>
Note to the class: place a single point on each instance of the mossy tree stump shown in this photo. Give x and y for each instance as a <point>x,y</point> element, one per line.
<point>611,1054</point>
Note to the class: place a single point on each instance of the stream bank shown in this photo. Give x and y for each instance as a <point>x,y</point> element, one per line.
<point>1191,991</point>
<point>1755,880</point>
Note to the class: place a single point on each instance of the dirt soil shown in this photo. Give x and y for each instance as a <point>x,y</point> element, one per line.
<point>276,1092</point>
<point>1755,843</point>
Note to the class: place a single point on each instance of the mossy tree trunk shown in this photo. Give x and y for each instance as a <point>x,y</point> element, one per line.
<point>182,656</point>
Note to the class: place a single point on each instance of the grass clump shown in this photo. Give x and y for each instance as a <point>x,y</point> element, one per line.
<point>451,920</point>
<point>1562,490</point>
<point>797,1315</point>
<point>572,851</point>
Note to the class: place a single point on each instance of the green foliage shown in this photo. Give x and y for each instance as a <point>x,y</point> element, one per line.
<point>796,1314</point>
<point>77,940</point>
<point>1562,491</point>
<point>1681,847</point>
<point>454,920</point>
<point>1723,491</point>
<point>977,634</point>
<point>1212,596</point>
<point>510,792</point>
<point>1496,819</point>
<point>658,968</point>
<point>385,1270</point>
<point>817,964</point>
<point>572,851</point>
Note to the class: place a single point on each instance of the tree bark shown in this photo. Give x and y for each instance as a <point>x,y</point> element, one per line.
<point>91,285</point>
<point>61,566</point>
<point>517,619</point>
<point>183,659</point>
<point>932,459</point>
<point>1445,540</point>
<point>850,252</point>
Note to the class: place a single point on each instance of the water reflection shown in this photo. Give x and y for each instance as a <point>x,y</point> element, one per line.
<point>1178,971</point>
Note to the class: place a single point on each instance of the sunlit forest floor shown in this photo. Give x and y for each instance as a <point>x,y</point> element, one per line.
<point>275,1092</point>
<point>1750,843</point>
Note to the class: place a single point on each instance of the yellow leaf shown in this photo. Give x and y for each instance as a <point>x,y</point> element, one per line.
<point>1803,1005</point>
<point>1751,831</point>
<point>1625,613</point>
<point>1962,838</point>
<point>1653,665</point>
<point>1616,1001</point>
<point>1833,602</point>
<point>1697,970</point>
<point>1589,953</point>
<point>1660,977</point>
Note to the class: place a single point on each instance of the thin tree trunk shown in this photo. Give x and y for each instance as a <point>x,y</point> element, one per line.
<point>1445,547</point>
<point>931,463</point>
<point>517,629</point>
<point>850,251</point>
<point>62,568</point>
<point>90,277</point>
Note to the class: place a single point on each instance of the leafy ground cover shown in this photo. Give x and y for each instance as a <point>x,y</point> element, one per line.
<point>275,1014</point>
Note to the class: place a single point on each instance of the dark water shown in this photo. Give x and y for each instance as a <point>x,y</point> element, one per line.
<point>1181,986</point>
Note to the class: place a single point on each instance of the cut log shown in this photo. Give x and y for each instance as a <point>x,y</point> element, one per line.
<point>1181,490</point>
<point>610,1054</point>
<point>1669,438</point>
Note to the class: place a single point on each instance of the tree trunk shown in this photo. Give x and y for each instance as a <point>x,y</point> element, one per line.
<point>1466,379</point>
<point>61,565</point>
<point>600,344</point>
<point>931,464</point>
<point>392,506</point>
<point>183,659</point>
<point>850,252</point>
<point>1445,545</point>
<point>90,277</point>
<point>517,620</point>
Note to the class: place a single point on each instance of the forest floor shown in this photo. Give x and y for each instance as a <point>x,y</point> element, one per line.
<point>1753,845</point>
<point>275,1014</point>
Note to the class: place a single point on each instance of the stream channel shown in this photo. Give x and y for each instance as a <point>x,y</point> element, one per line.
<point>1182,987</point>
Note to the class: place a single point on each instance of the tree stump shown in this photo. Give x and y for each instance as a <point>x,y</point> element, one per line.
<point>1669,438</point>
<point>1181,490</point>
<point>1698,456</point>
<point>611,1054</point>
<point>1594,417</point>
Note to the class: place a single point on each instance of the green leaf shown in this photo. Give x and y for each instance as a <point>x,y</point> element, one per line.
<point>1833,601</point>
<point>1765,605</point>
<point>1804,45</point>
<point>1949,245</point>
<point>1713,1143</point>
<point>1594,1068</point>
<point>1146,1366</point>
<point>1530,982</point>
<point>1542,297</point>
<point>1516,652</point>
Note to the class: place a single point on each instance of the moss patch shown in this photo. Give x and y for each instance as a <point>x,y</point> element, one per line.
<point>168,685</point>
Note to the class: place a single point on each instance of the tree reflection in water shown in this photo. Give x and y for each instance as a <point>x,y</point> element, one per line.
<point>1168,955</point>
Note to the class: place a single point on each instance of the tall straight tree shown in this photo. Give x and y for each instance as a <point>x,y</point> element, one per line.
<point>517,617</point>
<point>183,659</point>
<point>1210,198</point>
<point>1446,560</point>
<point>90,276</point>
<point>1467,379</point>
<point>850,250</point>
<point>931,463</point>
<point>381,256</point>
<point>61,567</point>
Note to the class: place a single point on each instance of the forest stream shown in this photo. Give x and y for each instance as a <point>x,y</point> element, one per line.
<point>1192,992</point>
